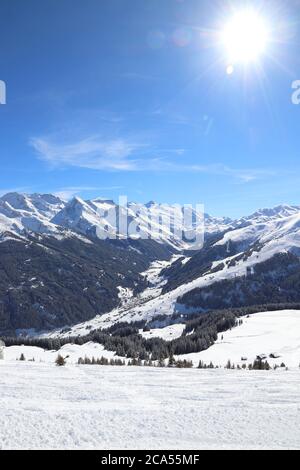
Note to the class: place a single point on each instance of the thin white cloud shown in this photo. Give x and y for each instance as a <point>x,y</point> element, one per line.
<point>93,153</point>
<point>124,155</point>
<point>242,175</point>
<point>71,191</point>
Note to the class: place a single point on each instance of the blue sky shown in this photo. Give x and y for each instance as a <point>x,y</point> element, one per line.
<point>132,97</point>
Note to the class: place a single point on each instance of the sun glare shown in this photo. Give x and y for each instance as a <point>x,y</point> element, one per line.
<point>245,37</point>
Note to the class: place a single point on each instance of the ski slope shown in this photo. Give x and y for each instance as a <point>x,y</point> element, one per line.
<point>93,407</point>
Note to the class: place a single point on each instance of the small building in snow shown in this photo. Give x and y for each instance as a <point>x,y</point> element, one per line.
<point>274,355</point>
<point>261,357</point>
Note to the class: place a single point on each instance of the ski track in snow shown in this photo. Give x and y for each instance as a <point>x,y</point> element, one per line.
<point>92,407</point>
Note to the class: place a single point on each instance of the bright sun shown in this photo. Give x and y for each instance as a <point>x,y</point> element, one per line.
<point>245,37</point>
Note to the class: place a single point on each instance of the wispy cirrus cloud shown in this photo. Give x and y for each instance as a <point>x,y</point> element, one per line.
<point>93,153</point>
<point>242,175</point>
<point>123,154</point>
<point>70,191</point>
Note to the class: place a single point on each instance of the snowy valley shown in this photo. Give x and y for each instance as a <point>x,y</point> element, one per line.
<point>58,279</point>
<point>55,272</point>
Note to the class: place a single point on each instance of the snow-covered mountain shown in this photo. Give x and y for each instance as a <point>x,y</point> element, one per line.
<point>274,230</point>
<point>48,214</point>
<point>99,217</point>
<point>19,212</point>
<point>254,258</point>
<point>278,212</point>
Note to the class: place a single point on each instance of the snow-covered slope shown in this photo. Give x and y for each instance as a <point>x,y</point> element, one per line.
<point>168,333</point>
<point>265,215</point>
<point>167,304</point>
<point>280,225</point>
<point>93,407</point>
<point>19,212</point>
<point>70,351</point>
<point>262,333</point>
<point>77,215</point>
<point>269,333</point>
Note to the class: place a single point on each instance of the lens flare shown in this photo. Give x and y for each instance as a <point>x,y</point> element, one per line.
<point>229,69</point>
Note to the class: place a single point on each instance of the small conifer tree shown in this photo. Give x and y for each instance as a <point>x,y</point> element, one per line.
<point>60,361</point>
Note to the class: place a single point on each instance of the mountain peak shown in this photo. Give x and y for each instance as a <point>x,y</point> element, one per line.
<point>16,200</point>
<point>150,204</point>
<point>277,212</point>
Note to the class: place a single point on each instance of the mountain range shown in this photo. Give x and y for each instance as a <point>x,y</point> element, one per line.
<point>55,271</point>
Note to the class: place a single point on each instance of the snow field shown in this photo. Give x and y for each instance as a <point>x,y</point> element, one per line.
<point>92,407</point>
<point>262,333</point>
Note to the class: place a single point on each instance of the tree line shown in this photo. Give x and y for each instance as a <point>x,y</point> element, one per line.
<point>124,339</point>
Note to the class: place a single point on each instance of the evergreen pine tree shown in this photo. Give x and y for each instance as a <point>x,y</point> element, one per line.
<point>161,362</point>
<point>172,361</point>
